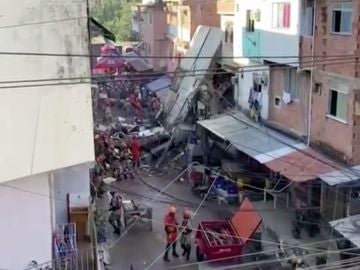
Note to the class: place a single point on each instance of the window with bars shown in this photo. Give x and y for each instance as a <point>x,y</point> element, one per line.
<point>281,15</point>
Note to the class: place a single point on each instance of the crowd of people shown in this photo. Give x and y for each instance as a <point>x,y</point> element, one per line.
<point>131,97</point>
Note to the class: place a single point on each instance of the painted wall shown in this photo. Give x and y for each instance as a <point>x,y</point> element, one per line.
<point>227,48</point>
<point>266,40</point>
<point>294,115</point>
<point>25,227</point>
<point>44,127</point>
<point>73,180</point>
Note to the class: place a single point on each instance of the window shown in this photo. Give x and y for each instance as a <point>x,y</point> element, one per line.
<point>341,18</point>
<point>250,22</point>
<point>291,82</point>
<point>307,18</point>
<point>338,104</point>
<point>281,15</point>
<point>229,32</point>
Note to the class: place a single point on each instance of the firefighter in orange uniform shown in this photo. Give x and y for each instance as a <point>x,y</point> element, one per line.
<point>171,231</point>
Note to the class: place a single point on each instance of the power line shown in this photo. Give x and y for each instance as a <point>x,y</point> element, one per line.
<point>183,229</point>
<point>244,69</point>
<point>125,56</point>
<point>42,22</point>
<point>142,78</point>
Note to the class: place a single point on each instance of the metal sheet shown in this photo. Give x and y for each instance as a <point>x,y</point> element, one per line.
<point>204,45</point>
<point>136,61</point>
<point>159,84</point>
<point>246,221</point>
<point>255,142</point>
<point>345,176</point>
<point>301,166</point>
<point>349,228</point>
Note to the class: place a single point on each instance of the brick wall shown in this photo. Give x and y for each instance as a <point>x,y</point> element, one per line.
<point>333,136</point>
<point>327,43</point>
<point>292,116</point>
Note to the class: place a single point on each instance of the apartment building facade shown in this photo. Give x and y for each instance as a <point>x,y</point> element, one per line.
<point>46,135</point>
<point>272,80</point>
<point>149,21</point>
<point>183,18</point>
<point>335,96</point>
<point>167,27</point>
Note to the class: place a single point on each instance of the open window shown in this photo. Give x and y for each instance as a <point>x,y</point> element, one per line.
<point>338,104</point>
<point>341,18</point>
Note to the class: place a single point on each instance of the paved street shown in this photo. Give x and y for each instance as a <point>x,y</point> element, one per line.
<point>140,246</point>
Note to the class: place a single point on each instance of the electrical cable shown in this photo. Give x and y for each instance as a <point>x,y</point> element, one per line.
<point>183,229</point>
<point>142,78</point>
<point>191,73</point>
<point>154,199</point>
<point>42,22</point>
<point>125,56</point>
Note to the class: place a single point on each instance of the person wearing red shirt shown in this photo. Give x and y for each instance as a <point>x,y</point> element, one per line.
<point>133,98</point>
<point>135,148</point>
<point>171,230</point>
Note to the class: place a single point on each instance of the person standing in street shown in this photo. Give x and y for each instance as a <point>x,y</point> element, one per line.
<point>135,148</point>
<point>171,225</point>
<point>185,239</point>
<point>117,212</point>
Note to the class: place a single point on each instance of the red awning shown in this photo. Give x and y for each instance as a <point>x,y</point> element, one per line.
<point>301,166</point>
<point>246,221</point>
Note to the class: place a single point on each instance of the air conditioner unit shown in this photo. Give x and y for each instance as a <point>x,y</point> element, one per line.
<point>234,80</point>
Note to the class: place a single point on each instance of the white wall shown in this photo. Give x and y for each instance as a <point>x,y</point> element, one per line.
<point>274,42</point>
<point>227,48</point>
<point>48,127</point>
<point>25,227</point>
<point>73,180</point>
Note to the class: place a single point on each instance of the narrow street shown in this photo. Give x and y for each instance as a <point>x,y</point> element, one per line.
<point>139,247</point>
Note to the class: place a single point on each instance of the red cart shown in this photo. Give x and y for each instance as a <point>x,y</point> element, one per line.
<point>225,239</point>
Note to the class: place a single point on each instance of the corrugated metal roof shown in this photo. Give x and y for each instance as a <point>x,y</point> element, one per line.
<point>349,228</point>
<point>344,176</point>
<point>159,84</point>
<point>262,145</point>
<point>301,166</point>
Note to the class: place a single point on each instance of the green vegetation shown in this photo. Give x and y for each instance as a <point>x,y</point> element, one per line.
<point>116,16</point>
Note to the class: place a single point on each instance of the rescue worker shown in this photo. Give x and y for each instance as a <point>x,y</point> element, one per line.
<point>171,225</point>
<point>135,151</point>
<point>116,209</point>
<point>185,239</point>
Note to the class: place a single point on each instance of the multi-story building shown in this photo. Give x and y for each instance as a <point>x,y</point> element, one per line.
<point>267,42</point>
<point>47,132</point>
<point>335,96</point>
<point>183,18</point>
<point>167,27</point>
<point>149,21</point>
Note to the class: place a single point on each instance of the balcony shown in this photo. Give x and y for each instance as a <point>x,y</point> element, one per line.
<point>225,6</point>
